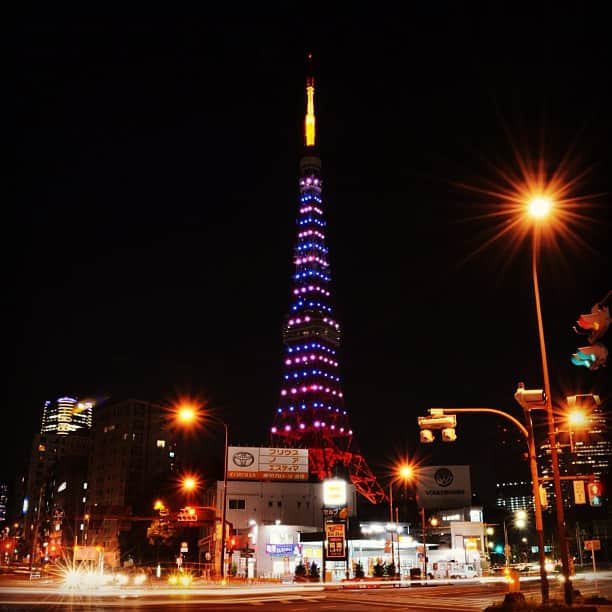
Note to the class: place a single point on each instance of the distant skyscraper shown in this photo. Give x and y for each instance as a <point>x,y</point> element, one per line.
<point>133,458</point>
<point>583,450</point>
<point>3,501</point>
<point>65,415</point>
<point>54,488</point>
<point>311,412</point>
<point>515,495</point>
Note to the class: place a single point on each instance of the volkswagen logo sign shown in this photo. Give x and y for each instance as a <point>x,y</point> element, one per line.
<point>443,477</point>
<point>243,459</point>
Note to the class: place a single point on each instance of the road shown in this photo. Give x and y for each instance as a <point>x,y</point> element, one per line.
<point>459,596</point>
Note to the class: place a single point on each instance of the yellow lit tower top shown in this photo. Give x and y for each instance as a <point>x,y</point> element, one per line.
<point>309,121</point>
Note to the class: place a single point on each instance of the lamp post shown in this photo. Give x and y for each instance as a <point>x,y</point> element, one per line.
<point>223,512</point>
<point>188,415</point>
<point>424,529</point>
<point>391,517</point>
<point>399,560</point>
<point>539,208</point>
<point>405,473</point>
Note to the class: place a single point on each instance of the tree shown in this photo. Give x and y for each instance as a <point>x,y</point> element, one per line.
<point>314,571</point>
<point>359,573</point>
<point>300,570</point>
<point>379,569</point>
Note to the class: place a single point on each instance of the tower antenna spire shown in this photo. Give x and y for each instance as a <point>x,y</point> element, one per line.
<point>309,121</point>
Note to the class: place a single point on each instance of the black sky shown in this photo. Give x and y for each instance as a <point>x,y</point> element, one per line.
<point>157,192</point>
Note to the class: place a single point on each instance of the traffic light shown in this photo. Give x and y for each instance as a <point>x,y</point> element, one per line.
<point>427,436</point>
<point>595,491</point>
<point>437,420</point>
<point>597,322</point>
<point>187,514</point>
<point>448,434</point>
<point>593,325</point>
<point>592,357</point>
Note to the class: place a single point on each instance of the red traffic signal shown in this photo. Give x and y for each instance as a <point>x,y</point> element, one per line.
<point>595,491</point>
<point>593,325</point>
<point>597,322</point>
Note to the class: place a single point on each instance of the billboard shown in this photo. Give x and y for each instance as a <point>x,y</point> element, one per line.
<point>334,492</point>
<point>335,537</point>
<point>444,486</point>
<point>256,463</point>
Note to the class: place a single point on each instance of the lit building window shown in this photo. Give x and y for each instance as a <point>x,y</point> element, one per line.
<point>161,444</point>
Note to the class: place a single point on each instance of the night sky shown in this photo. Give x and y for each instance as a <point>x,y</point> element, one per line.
<point>156,197</point>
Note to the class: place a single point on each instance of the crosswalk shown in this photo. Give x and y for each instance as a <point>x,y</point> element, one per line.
<point>433,601</point>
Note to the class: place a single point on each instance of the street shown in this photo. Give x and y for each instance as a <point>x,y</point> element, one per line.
<point>458,596</point>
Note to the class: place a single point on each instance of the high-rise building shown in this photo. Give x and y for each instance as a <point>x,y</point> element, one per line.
<point>53,502</point>
<point>3,501</point>
<point>584,450</point>
<point>132,459</point>
<point>65,415</point>
<point>311,412</point>
<point>515,495</point>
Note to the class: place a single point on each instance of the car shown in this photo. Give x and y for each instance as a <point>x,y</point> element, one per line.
<point>467,571</point>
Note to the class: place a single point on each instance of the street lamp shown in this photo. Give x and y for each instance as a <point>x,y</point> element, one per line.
<point>405,473</point>
<point>538,208</point>
<point>223,513</point>
<point>576,419</point>
<point>189,484</point>
<point>188,415</point>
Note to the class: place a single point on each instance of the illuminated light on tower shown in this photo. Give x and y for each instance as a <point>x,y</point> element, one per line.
<point>311,412</point>
<point>309,121</point>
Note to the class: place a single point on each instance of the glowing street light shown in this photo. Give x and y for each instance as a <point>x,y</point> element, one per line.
<point>576,419</point>
<point>189,484</point>
<point>520,519</point>
<point>186,414</point>
<point>538,209</point>
<point>406,472</point>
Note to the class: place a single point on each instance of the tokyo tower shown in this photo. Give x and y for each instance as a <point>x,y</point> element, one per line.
<point>311,412</point>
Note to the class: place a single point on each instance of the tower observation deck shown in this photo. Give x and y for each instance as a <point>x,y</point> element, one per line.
<point>311,412</point>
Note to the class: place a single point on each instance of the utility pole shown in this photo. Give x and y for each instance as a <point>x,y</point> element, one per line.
<point>399,561</point>
<point>35,531</point>
<point>423,527</point>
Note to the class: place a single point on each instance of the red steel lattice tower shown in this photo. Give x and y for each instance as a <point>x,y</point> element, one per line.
<point>311,412</point>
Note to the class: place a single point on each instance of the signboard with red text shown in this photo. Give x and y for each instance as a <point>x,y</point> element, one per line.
<point>256,463</point>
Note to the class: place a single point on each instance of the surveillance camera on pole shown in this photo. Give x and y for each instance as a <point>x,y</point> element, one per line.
<point>530,399</point>
<point>438,420</point>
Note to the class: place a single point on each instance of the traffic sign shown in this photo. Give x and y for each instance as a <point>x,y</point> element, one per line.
<point>592,545</point>
<point>579,492</point>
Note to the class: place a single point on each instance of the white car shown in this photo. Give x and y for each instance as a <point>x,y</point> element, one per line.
<point>467,571</point>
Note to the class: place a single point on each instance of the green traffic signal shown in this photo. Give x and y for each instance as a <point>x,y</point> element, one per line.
<point>591,357</point>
